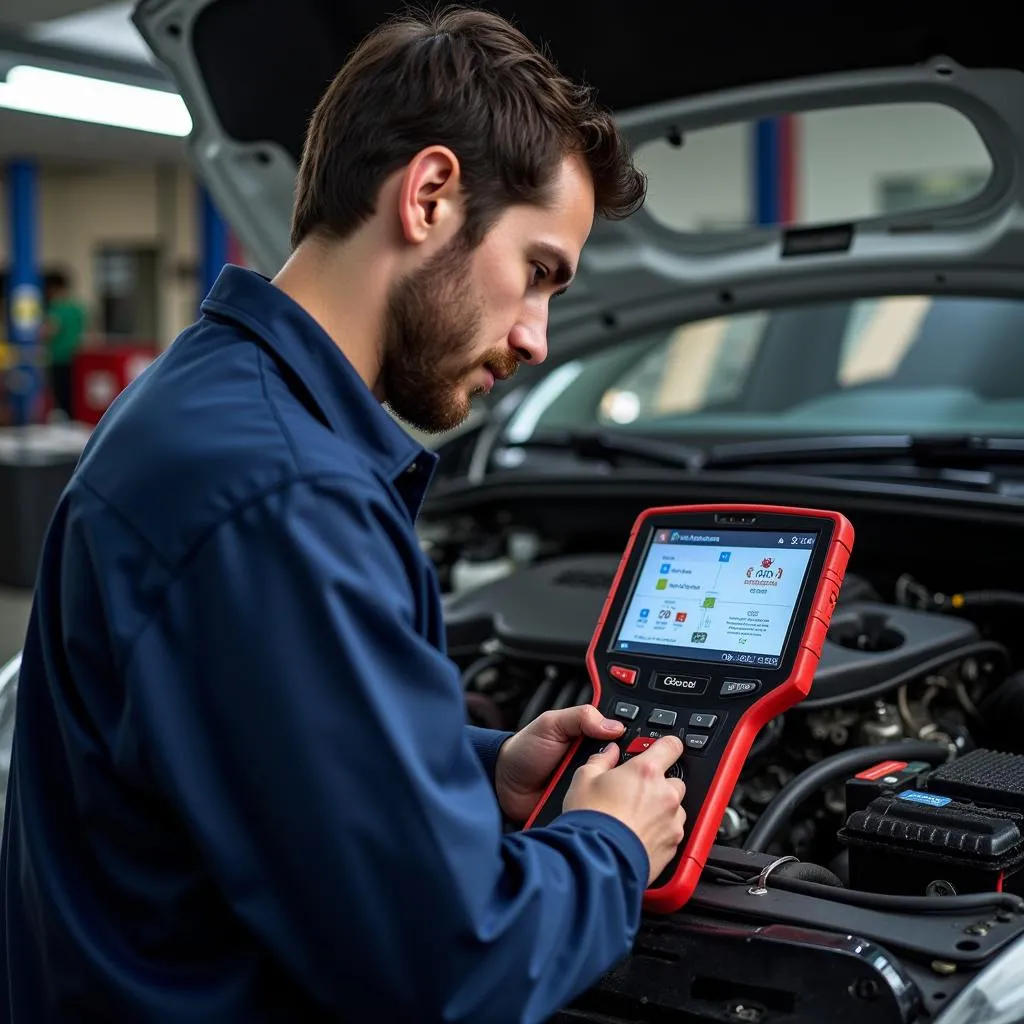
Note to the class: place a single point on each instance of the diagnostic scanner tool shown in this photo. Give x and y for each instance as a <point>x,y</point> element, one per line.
<point>713,626</point>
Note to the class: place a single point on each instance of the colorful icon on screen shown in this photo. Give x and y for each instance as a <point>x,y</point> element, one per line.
<point>662,584</point>
<point>709,602</point>
<point>645,612</point>
<point>725,556</point>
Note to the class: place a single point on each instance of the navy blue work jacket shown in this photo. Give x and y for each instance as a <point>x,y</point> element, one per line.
<point>243,786</point>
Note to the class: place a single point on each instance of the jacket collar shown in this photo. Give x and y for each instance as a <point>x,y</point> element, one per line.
<point>340,395</point>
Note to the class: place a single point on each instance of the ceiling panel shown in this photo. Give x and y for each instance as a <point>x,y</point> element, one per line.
<point>106,29</point>
<point>28,12</point>
<point>54,139</point>
<point>102,34</point>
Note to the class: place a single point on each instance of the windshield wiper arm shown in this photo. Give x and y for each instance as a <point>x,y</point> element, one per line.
<point>953,450</point>
<point>616,449</point>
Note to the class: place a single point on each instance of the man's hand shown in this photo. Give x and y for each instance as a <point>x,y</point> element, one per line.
<point>528,759</point>
<point>638,794</point>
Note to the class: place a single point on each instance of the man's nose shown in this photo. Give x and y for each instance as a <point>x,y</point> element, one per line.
<point>529,337</point>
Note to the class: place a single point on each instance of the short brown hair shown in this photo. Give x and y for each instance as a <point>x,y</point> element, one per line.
<point>466,79</point>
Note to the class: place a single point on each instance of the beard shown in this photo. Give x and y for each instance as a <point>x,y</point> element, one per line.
<point>431,329</point>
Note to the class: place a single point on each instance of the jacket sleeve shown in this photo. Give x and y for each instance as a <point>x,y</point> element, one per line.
<point>487,743</point>
<point>315,745</point>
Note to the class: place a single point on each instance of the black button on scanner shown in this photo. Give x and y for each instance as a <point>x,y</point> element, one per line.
<point>738,687</point>
<point>661,718</point>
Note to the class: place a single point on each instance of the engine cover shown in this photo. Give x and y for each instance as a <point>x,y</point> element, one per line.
<point>548,612</point>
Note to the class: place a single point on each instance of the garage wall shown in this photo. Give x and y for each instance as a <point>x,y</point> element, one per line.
<point>847,163</point>
<point>84,210</point>
<point>848,157</point>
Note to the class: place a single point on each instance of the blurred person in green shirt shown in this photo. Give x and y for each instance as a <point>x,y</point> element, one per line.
<point>63,333</point>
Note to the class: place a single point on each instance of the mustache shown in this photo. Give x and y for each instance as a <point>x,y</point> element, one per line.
<point>502,364</point>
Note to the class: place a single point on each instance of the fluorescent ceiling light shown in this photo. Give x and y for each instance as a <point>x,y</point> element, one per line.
<point>98,101</point>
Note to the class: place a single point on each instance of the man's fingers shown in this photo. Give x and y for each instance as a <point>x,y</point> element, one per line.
<point>662,753</point>
<point>583,720</point>
<point>605,758</point>
<point>593,723</point>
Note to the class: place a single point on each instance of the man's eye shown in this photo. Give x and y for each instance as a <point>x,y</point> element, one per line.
<point>539,273</point>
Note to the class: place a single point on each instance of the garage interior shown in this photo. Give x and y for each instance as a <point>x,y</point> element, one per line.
<point>819,306</point>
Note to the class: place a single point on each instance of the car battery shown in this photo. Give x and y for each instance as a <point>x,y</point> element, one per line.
<point>956,829</point>
<point>884,777</point>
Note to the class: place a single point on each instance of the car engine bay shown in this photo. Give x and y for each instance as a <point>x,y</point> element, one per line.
<point>889,672</point>
<point>894,789</point>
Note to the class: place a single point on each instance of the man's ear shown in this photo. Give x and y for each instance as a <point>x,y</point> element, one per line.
<point>429,195</point>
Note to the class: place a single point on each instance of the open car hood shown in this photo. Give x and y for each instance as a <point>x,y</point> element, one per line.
<point>251,71</point>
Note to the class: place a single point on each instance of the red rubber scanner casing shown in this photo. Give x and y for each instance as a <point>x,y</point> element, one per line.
<point>809,635</point>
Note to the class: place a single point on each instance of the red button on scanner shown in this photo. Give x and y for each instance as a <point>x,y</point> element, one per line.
<point>623,674</point>
<point>640,744</point>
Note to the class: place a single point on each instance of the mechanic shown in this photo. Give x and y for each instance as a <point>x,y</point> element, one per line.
<point>243,786</point>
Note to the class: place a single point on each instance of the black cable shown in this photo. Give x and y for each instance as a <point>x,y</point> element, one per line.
<point>905,904</point>
<point>838,766</point>
<point>480,665</point>
<point>805,871</point>
<point>922,668</point>
<point>798,877</point>
<point>766,738</point>
<point>724,875</point>
<point>984,599</point>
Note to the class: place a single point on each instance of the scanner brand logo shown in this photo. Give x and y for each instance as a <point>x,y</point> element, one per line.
<point>670,683</point>
<point>679,684</point>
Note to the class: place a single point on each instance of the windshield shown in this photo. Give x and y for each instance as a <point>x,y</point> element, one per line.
<point>902,365</point>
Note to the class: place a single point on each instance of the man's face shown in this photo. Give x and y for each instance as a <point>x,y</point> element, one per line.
<point>468,317</point>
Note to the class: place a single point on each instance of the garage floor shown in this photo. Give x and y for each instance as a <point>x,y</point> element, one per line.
<point>14,609</point>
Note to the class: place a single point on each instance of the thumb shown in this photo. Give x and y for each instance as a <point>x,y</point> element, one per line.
<point>606,758</point>
<point>590,722</point>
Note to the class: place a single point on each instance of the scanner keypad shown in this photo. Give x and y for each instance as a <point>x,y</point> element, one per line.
<point>649,719</point>
<point>697,729</point>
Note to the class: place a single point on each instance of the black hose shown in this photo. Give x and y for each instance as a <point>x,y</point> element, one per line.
<point>921,669</point>
<point>807,879</point>
<point>985,599</point>
<point>838,766</point>
<point>903,904</point>
<point>766,738</point>
<point>802,871</point>
<point>480,665</point>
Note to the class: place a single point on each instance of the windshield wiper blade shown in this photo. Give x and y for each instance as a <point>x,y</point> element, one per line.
<point>948,451</point>
<point>616,449</point>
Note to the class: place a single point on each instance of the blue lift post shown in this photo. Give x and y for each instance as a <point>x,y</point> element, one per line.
<point>767,172</point>
<point>214,243</point>
<point>24,296</point>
